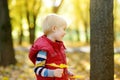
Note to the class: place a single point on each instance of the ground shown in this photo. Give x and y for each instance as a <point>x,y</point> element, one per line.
<point>79,63</point>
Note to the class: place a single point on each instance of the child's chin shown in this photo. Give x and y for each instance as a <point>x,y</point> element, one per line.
<point>60,40</point>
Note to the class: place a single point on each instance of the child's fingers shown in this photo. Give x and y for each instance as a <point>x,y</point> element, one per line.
<point>58,72</point>
<point>72,79</point>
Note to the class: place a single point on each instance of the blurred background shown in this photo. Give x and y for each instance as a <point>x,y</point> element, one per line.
<point>25,20</point>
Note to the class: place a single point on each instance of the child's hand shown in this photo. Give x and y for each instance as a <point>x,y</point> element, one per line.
<point>58,72</point>
<point>70,77</point>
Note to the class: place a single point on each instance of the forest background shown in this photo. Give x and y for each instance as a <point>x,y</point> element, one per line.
<point>25,19</point>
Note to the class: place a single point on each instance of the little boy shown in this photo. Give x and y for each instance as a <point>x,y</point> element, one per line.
<point>49,49</point>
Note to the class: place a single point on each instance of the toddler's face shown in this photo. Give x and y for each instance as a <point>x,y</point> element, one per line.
<point>60,33</point>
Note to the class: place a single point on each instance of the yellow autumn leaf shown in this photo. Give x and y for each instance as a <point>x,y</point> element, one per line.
<point>77,77</point>
<point>5,78</point>
<point>53,64</point>
<point>59,66</point>
<point>63,66</point>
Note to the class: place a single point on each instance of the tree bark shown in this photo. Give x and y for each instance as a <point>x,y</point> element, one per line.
<point>33,13</point>
<point>7,55</point>
<point>102,52</point>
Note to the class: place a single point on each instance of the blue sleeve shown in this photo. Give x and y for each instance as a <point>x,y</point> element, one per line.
<point>40,65</point>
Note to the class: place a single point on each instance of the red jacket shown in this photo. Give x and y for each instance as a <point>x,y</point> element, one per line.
<point>55,54</point>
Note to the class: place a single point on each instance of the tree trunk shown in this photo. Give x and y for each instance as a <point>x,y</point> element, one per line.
<point>32,17</point>
<point>86,31</point>
<point>7,55</point>
<point>56,8</point>
<point>102,52</point>
<point>32,30</point>
<point>20,35</point>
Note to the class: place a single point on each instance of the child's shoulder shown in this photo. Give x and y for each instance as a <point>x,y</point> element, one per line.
<point>40,40</point>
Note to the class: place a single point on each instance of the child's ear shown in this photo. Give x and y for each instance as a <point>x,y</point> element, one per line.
<point>53,28</point>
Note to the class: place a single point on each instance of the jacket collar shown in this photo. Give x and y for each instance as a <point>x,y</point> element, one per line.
<point>56,44</point>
